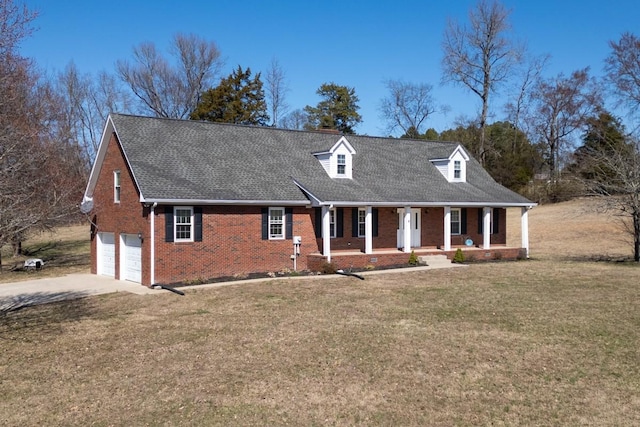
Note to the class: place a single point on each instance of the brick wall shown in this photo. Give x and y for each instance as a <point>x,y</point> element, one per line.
<point>126,217</point>
<point>231,245</point>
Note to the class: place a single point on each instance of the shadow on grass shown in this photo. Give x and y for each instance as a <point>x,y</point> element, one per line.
<point>41,312</point>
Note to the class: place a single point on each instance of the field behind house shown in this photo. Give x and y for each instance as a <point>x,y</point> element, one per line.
<point>550,341</point>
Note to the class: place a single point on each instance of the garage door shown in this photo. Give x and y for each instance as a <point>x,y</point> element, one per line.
<point>132,268</point>
<point>106,254</point>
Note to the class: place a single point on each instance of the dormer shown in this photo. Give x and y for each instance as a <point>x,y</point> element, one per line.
<point>454,167</point>
<point>338,160</point>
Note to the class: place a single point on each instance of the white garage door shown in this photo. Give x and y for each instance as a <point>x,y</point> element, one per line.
<point>132,265</point>
<point>106,254</point>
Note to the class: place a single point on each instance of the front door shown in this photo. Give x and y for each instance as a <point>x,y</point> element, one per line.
<point>415,228</point>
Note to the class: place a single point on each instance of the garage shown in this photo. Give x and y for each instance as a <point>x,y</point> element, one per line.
<point>131,258</point>
<point>106,254</point>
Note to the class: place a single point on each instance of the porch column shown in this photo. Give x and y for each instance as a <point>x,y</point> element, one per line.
<point>447,228</point>
<point>486,228</point>
<point>524,225</point>
<point>406,221</point>
<point>368,231</point>
<point>326,232</point>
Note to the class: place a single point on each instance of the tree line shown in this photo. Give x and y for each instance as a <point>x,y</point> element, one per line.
<point>556,137</point>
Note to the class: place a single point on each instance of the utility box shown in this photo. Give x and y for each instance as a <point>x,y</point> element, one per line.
<point>297,240</point>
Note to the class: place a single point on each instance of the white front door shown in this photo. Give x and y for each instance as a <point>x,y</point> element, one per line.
<point>415,228</point>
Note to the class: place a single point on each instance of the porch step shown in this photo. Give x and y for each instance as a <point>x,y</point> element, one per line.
<point>435,261</point>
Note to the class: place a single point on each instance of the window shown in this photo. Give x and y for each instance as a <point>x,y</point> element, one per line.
<point>276,223</point>
<point>116,186</point>
<point>332,223</point>
<point>455,221</point>
<point>342,164</point>
<point>183,224</point>
<point>457,169</point>
<point>362,214</point>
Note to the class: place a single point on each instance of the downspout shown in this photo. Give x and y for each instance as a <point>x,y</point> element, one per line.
<point>153,242</point>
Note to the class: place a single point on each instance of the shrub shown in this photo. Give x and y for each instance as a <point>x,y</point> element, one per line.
<point>413,258</point>
<point>328,268</point>
<point>458,258</point>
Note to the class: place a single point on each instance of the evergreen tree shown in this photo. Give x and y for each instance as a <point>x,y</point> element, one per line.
<point>338,109</point>
<point>237,99</point>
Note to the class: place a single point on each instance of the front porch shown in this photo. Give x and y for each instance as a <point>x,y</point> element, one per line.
<point>391,257</point>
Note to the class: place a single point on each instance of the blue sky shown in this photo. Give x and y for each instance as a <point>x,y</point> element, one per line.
<point>354,43</point>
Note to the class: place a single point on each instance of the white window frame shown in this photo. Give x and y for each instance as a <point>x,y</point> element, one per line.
<point>457,170</point>
<point>116,186</point>
<point>176,224</point>
<point>362,218</point>
<point>332,222</point>
<point>274,221</point>
<point>458,213</point>
<point>341,161</point>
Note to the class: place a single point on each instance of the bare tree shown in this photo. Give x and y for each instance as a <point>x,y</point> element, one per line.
<point>480,57</point>
<point>85,104</point>
<point>39,183</point>
<point>527,77</point>
<point>407,106</point>
<point>297,119</point>
<point>561,106</point>
<point>623,70</point>
<point>15,25</point>
<point>614,176</point>
<point>168,90</point>
<point>276,91</point>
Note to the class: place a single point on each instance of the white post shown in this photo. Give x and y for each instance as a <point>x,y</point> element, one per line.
<point>406,222</point>
<point>486,228</point>
<point>326,232</point>
<point>152,243</point>
<point>524,225</point>
<point>368,231</point>
<point>447,228</point>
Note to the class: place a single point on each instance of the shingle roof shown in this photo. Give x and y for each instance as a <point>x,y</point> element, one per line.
<point>191,160</point>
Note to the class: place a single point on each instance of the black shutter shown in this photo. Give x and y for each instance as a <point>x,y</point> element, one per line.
<point>318,225</point>
<point>463,221</point>
<point>340,222</point>
<point>374,213</point>
<point>168,223</point>
<point>496,220</point>
<point>265,223</point>
<point>480,220</point>
<point>354,222</point>
<point>197,229</point>
<point>288,222</point>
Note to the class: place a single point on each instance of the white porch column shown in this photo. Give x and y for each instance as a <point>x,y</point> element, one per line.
<point>524,225</point>
<point>406,221</point>
<point>326,232</point>
<point>447,228</point>
<point>368,231</point>
<point>486,228</point>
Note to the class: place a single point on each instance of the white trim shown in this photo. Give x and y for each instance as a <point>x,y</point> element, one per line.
<point>283,220</point>
<point>524,224</point>
<point>191,224</point>
<point>152,234</point>
<point>326,239</point>
<point>487,229</point>
<point>447,228</point>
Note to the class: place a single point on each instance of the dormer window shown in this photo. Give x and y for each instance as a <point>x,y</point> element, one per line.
<point>454,167</point>
<point>342,164</point>
<point>457,169</point>
<point>338,160</point>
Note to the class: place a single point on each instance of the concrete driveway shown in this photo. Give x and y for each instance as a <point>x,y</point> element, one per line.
<point>39,291</point>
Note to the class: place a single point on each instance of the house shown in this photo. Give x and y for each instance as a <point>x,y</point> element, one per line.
<point>175,201</point>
